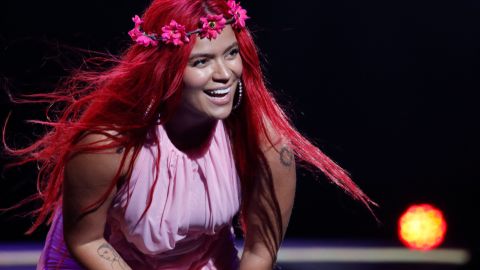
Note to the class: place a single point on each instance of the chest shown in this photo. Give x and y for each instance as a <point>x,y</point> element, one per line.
<point>183,197</point>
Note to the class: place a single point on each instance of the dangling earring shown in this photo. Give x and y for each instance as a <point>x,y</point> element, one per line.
<point>240,92</point>
<point>147,111</point>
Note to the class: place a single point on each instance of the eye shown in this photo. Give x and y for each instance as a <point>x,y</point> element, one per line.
<point>199,62</point>
<point>234,52</point>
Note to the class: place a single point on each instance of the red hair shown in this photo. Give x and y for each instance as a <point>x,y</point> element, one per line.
<point>146,82</point>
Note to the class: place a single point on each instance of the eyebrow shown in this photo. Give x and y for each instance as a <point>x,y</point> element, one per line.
<point>212,55</point>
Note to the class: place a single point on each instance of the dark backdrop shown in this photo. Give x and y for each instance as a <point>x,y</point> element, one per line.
<point>386,88</point>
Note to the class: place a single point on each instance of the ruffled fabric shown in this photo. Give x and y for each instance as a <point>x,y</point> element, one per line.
<point>188,225</point>
<point>195,198</point>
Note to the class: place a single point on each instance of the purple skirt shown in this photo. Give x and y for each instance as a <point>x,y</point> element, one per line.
<point>55,254</point>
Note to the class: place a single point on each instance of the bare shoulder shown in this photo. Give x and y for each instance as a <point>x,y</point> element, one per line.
<point>275,144</point>
<point>98,167</point>
<point>278,153</point>
<point>280,159</point>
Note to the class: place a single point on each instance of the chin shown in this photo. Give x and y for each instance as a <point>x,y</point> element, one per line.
<point>221,113</point>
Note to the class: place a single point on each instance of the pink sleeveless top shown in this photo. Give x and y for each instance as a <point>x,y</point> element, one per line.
<point>188,224</point>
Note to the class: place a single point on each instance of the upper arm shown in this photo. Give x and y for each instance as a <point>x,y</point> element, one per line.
<point>281,161</point>
<point>88,177</point>
<point>267,209</point>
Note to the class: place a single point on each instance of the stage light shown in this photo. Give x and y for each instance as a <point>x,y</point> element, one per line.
<point>422,227</point>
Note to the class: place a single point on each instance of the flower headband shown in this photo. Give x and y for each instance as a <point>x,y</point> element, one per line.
<point>174,33</point>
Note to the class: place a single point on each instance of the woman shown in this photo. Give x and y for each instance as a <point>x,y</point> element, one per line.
<point>149,160</point>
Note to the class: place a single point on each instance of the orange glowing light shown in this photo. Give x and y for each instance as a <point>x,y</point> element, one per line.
<point>422,227</point>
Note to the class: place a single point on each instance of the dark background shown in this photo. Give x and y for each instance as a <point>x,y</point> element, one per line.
<point>388,89</point>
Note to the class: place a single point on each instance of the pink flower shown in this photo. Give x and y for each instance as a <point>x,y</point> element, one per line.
<point>146,41</point>
<point>137,21</point>
<point>135,33</point>
<point>212,26</point>
<point>238,13</point>
<point>140,37</point>
<point>174,33</point>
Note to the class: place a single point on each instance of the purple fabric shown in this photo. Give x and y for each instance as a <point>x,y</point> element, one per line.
<point>55,254</point>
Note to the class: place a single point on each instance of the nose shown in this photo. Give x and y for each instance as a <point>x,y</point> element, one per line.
<point>221,72</point>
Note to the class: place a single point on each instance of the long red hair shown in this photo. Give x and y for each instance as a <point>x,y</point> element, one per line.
<point>145,83</point>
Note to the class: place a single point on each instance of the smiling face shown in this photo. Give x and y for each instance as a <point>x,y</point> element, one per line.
<point>211,78</point>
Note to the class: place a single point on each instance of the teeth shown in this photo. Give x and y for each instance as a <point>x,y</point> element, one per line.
<point>220,92</point>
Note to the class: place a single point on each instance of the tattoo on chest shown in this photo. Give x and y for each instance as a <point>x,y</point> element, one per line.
<point>286,156</point>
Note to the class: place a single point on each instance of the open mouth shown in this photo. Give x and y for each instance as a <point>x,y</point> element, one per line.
<point>218,93</point>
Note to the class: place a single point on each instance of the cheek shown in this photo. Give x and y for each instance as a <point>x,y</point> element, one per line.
<point>196,78</point>
<point>237,66</point>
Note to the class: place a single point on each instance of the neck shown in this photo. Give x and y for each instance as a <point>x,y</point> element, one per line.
<point>188,133</point>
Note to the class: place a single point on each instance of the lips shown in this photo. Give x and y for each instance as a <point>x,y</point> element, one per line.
<point>219,97</point>
<point>217,93</point>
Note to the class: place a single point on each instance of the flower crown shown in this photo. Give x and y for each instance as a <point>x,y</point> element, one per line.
<point>174,33</point>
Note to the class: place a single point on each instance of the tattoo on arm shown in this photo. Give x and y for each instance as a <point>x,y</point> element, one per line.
<point>107,252</point>
<point>286,156</point>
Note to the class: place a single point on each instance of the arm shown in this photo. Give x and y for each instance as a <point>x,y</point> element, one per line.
<point>87,177</point>
<point>256,254</point>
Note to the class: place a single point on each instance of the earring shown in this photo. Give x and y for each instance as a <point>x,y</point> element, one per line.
<point>240,92</point>
<point>147,111</point>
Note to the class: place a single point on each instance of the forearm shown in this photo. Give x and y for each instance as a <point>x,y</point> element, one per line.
<point>252,261</point>
<point>98,255</point>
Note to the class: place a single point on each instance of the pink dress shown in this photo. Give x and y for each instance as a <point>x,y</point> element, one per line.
<point>189,223</point>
